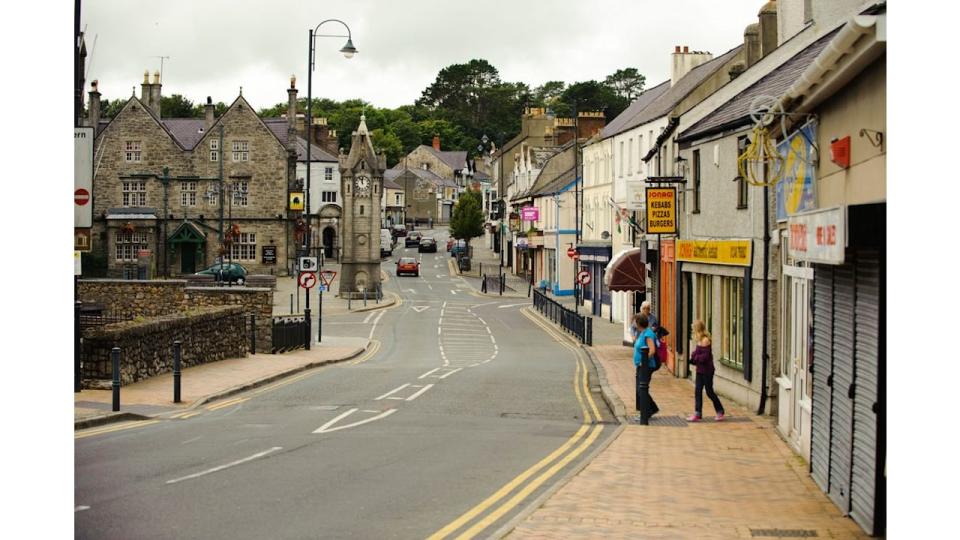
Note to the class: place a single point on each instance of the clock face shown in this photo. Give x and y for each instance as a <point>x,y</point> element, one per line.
<point>362,184</point>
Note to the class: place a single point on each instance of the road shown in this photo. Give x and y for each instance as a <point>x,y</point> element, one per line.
<point>461,415</point>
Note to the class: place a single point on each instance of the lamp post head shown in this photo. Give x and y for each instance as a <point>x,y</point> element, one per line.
<point>349,50</point>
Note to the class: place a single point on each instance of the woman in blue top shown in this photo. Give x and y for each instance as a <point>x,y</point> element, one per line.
<point>645,339</point>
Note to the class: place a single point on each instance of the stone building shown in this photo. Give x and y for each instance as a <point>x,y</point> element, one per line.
<point>171,195</point>
<point>450,168</point>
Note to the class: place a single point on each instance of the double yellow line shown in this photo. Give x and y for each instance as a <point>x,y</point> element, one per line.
<point>560,458</point>
<point>113,427</point>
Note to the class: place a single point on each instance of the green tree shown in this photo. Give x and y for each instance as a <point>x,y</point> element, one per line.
<point>467,219</point>
<point>110,109</point>
<point>177,106</point>
<point>626,83</point>
<point>591,96</point>
<point>389,143</point>
<point>548,94</point>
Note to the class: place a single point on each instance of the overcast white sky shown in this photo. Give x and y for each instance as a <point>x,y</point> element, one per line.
<point>217,46</point>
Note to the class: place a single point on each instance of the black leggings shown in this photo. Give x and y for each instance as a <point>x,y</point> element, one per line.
<point>645,375</point>
<point>705,380</point>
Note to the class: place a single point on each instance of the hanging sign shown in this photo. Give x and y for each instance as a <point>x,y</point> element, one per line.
<point>661,210</point>
<point>530,213</point>
<point>732,252</point>
<point>818,237</point>
<point>795,191</point>
<point>635,195</point>
<point>296,201</point>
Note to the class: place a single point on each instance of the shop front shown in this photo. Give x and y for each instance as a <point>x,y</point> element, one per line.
<point>594,257</point>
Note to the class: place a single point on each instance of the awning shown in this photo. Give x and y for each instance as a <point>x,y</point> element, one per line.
<point>626,272</point>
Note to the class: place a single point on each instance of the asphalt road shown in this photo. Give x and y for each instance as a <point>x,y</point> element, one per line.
<point>463,414</point>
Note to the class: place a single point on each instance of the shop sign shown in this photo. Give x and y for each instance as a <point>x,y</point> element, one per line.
<point>530,213</point>
<point>595,258</point>
<point>818,237</point>
<point>661,210</point>
<point>296,201</point>
<point>732,252</point>
<point>795,191</point>
<point>635,195</point>
<point>269,254</point>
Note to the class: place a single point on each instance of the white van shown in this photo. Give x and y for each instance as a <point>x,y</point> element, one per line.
<point>386,243</point>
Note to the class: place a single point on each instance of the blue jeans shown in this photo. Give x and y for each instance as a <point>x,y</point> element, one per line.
<point>705,380</point>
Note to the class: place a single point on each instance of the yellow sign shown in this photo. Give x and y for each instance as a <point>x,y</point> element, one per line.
<point>733,252</point>
<point>296,200</point>
<point>661,211</point>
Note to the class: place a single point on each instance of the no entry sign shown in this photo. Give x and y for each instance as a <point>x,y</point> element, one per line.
<point>583,277</point>
<point>307,280</point>
<point>81,196</point>
<point>572,253</point>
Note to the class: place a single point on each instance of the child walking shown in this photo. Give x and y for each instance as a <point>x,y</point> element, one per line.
<point>702,357</point>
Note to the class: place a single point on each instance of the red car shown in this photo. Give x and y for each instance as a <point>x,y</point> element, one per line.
<point>408,265</point>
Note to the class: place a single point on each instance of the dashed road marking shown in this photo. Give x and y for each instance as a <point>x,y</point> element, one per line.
<point>225,466</point>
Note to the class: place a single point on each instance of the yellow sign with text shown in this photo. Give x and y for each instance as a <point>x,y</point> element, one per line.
<point>732,252</point>
<point>661,211</point>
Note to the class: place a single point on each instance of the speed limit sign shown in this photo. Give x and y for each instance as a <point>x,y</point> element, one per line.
<point>583,277</point>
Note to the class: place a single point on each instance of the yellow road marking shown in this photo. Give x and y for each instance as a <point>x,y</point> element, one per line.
<point>531,487</point>
<point>191,415</point>
<point>508,487</point>
<point>227,403</point>
<point>112,428</point>
<point>371,352</point>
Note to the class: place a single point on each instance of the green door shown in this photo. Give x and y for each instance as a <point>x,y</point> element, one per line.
<point>188,258</point>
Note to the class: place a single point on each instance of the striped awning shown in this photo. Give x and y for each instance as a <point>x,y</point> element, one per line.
<point>626,272</point>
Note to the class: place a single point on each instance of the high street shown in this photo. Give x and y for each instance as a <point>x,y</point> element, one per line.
<point>464,413</point>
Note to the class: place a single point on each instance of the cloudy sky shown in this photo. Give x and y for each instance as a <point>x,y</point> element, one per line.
<point>217,46</point>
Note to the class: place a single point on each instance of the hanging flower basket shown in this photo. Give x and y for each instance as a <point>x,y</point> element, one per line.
<point>128,228</point>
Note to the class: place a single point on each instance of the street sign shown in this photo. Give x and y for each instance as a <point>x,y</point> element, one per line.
<point>307,280</point>
<point>81,239</point>
<point>82,176</point>
<point>583,277</point>
<point>572,253</point>
<point>308,264</point>
<point>328,276</point>
<point>323,287</point>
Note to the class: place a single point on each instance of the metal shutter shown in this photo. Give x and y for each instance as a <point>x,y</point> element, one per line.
<point>863,490</point>
<point>821,368</point>
<point>841,429</point>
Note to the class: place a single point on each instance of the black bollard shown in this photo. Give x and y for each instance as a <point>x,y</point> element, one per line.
<point>176,371</point>
<point>77,374</point>
<point>115,361</point>
<point>306,335</point>
<point>643,388</point>
<point>483,284</point>
<point>253,333</point>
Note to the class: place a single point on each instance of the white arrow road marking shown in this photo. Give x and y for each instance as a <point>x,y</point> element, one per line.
<point>420,392</point>
<point>420,309</point>
<point>453,291</point>
<point>512,305</point>
<point>327,429</point>
<point>397,389</point>
<point>228,465</point>
<point>81,508</point>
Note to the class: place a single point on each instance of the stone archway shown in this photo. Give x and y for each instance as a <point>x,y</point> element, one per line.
<point>329,238</point>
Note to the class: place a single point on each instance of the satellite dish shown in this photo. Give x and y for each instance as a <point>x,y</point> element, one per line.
<point>604,235</point>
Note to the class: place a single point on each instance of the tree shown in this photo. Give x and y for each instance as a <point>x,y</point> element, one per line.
<point>592,96</point>
<point>548,93</point>
<point>177,106</point>
<point>110,109</point>
<point>626,83</point>
<point>389,143</point>
<point>467,219</point>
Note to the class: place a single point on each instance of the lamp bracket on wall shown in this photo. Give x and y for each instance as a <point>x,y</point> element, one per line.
<point>875,137</point>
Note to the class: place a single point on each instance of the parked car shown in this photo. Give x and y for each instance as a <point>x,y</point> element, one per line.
<point>427,244</point>
<point>399,231</point>
<point>412,239</point>
<point>386,243</point>
<point>408,265</point>
<point>232,272</point>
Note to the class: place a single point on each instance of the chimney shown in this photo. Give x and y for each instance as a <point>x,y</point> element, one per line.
<point>751,44</point>
<point>208,112</point>
<point>436,143</point>
<point>155,94</point>
<point>768,28</point>
<point>292,113</point>
<point>146,92</point>
<point>685,61</point>
<point>94,111</point>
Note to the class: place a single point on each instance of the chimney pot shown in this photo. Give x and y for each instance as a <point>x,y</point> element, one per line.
<point>156,77</point>
<point>293,81</point>
<point>676,49</point>
<point>436,143</point>
<point>686,49</point>
<point>209,101</point>
<point>146,76</point>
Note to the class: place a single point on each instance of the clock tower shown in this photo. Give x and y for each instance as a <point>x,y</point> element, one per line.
<point>361,185</point>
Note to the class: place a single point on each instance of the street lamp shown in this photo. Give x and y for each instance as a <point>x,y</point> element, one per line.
<point>348,51</point>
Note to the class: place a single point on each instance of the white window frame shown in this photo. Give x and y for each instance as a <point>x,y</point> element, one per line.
<point>244,248</point>
<point>133,193</point>
<point>214,149</point>
<point>731,321</point>
<point>128,245</point>
<point>188,193</point>
<point>241,194</point>
<point>630,158</point>
<point>241,150</point>
<point>328,174</point>
<point>132,152</point>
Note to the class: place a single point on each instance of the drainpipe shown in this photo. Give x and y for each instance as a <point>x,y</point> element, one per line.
<point>766,267</point>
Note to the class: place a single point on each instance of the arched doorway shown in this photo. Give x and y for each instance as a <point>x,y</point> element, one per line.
<point>329,241</point>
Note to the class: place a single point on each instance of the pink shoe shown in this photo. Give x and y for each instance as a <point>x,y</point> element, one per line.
<point>693,418</point>
<point>719,417</point>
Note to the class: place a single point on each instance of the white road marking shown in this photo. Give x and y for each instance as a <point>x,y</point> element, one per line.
<point>420,392</point>
<point>420,309</point>
<point>81,508</point>
<point>482,321</point>
<point>429,286</point>
<point>392,391</point>
<point>384,414</point>
<point>440,276</point>
<point>411,290</point>
<point>453,291</point>
<point>375,323</point>
<point>513,305</point>
<point>334,421</point>
<point>226,466</point>
<point>428,373</point>
<point>444,376</point>
<point>188,441</point>
<point>484,304</point>
<point>367,319</point>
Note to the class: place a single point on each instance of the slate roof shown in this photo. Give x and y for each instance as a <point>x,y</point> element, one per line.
<point>736,111</point>
<point>556,184</point>
<point>390,184</point>
<point>623,121</point>
<point>455,159</point>
<point>185,130</point>
<point>393,174</point>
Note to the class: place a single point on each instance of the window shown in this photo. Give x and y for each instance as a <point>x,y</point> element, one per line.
<point>241,190</point>
<point>188,193</point>
<point>696,182</point>
<point>639,154</point>
<point>328,174</point>
<point>241,151</point>
<point>742,185</point>
<point>731,314</point>
<point>245,247</point>
<point>214,149</point>
<point>213,198</point>
<point>132,152</point>
<point>704,308</point>
<point>398,199</point>
<point>621,159</point>
<point>630,158</point>
<point>129,244</point>
<point>135,193</point>
<point>328,196</point>
<point>361,209</point>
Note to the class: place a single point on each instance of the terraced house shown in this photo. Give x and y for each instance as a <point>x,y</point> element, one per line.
<point>172,195</point>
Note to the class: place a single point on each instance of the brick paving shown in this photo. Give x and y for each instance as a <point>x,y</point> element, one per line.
<point>734,479</point>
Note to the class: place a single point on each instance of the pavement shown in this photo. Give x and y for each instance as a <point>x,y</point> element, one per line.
<point>674,479</point>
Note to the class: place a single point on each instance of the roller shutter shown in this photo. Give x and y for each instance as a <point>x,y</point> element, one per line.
<point>821,367</point>
<point>841,429</point>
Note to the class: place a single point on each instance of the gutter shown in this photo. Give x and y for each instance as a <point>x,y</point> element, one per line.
<point>664,135</point>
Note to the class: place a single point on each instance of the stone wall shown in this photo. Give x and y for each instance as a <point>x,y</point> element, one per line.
<point>152,298</point>
<point>147,345</point>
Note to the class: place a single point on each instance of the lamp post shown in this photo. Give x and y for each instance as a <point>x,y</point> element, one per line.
<point>348,51</point>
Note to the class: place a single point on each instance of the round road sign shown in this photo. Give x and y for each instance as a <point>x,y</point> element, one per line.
<point>81,196</point>
<point>583,277</point>
<point>307,280</point>
<point>572,253</point>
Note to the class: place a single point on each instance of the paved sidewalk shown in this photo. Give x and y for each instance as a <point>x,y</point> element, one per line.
<point>153,397</point>
<point>671,479</point>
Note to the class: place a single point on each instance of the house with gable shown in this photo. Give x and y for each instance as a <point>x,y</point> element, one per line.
<point>172,195</point>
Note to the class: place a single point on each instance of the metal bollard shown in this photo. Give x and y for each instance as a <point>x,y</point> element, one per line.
<point>176,371</point>
<point>643,388</point>
<point>253,333</point>
<point>115,361</point>
<point>483,284</point>
<point>77,373</point>
<point>306,335</point>
<point>291,303</point>
<point>364,298</point>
